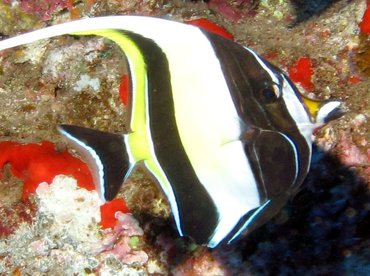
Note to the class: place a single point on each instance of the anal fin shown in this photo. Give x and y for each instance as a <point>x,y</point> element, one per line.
<point>106,155</point>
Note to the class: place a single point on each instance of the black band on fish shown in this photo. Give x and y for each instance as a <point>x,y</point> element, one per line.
<point>107,150</point>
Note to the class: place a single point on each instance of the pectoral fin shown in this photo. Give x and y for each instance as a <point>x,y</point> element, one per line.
<point>106,155</point>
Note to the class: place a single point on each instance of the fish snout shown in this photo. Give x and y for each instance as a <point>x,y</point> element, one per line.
<point>330,110</point>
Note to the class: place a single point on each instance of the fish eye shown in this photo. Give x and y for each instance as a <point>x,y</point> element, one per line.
<point>271,93</point>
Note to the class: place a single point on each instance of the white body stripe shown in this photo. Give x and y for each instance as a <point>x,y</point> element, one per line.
<point>298,113</point>
<point>263,65</point>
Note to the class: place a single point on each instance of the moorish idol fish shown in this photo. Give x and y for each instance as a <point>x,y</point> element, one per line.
<point>225,134</point>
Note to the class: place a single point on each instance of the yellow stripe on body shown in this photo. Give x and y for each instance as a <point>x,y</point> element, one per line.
<point>139,139</point>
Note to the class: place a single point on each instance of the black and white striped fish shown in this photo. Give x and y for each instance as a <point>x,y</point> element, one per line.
<point>226,135</point>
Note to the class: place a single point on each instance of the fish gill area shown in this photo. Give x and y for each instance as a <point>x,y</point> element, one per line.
<point>56,230</point>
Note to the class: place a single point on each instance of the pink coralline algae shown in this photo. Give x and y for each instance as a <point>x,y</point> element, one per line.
<point>118,242</point>
<point>45,9</point>
<point>15,214</point>
<point>351,155</point>
<point>127,225</point>
<point>123,251</point>
<point>234,10</point>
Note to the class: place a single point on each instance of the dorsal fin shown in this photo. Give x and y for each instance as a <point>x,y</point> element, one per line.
<point>106,155</point>
<point>143,25</point>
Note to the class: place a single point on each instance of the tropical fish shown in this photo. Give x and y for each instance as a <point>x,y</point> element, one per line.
<point>225,134</point>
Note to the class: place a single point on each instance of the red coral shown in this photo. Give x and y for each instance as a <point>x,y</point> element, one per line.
<point>302,72</point>
<point>210,27</point>
<point>37,163</point>
<point>108,211</point>
<point>354,79</point>
<point>124,89</point>
<point>365,22</point>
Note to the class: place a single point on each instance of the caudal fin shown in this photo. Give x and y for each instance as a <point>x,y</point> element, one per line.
<point>105,154</point>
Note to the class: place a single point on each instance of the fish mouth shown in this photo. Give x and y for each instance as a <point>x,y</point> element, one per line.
<point>336,112</point>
